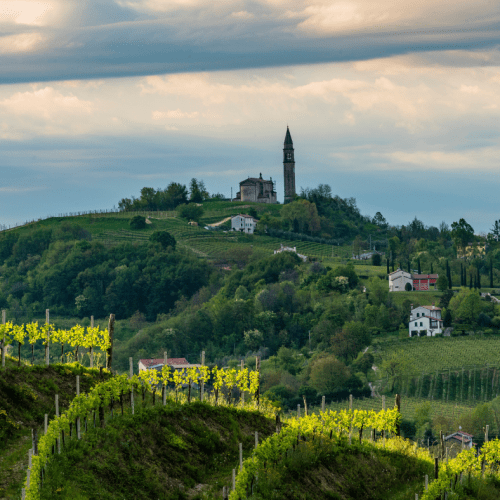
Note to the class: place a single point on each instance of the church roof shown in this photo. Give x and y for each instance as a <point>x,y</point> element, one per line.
<point>288,138</point>
<point>254,180</point>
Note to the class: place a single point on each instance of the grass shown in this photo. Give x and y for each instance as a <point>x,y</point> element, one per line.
<point>431,354</point>
<point>408,406</point>
<point>171,452</point>
<point>26,395</point>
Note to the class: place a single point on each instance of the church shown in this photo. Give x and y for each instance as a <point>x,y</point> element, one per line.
<point>260,190</point>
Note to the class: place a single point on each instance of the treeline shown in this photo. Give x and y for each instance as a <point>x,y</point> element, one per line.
<point>169,198</point>
<point>48,269</point>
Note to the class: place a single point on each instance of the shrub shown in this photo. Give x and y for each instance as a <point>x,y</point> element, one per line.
<point>376,259</point>
<point>408,287</point>
<point>138,222</point>
<point>191,211</point>
<point>163,237</point>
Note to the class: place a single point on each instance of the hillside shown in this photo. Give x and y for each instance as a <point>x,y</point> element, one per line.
<point>26,395</point>
<point>172,452</point>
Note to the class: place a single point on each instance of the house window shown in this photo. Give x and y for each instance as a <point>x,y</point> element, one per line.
<point>420,323</point>
<point>416,323</point>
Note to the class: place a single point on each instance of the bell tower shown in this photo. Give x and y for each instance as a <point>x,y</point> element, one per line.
<point>288,167</point>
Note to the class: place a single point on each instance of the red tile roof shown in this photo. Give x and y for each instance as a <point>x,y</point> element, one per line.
<point>424,276</point>
<point>159,361</point>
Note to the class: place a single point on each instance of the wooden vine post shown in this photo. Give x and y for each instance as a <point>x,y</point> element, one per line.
<point>111,332</point>
<point>202,385</point>
<point>47,349</point>
<point>398,406</point>
<point>4,345</point>
<point>92,343</point>
<point>257,369</point>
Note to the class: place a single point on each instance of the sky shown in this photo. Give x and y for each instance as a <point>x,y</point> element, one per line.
<point>396,104</point>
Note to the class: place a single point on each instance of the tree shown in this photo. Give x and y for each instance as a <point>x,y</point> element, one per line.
<point>138,222</point>
<point>163,237</point>
<point>302,216</point>
<point>379,220</point>
<point>461,234</point>
<point>495,230</point>
<point>175,194</point>
<point>378,290</point>
<point>191,211</point>
<point>197,191</point>
<point>253,339</point>
<point>408,287</point>
<point>466,306</point>
<point>376,259</point>
<point>418,266</point>
<point>442,283</point>
<point>353,337</point>
<point>328,374</point>
<point>447,320</point>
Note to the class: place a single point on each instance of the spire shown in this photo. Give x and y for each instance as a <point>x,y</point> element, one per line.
<point>288,138</point>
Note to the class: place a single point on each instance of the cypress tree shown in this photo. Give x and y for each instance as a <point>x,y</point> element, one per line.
<point>418,264</point>
<point>470,281</point>
<point>478,279</point>
<point>461,274</point>
<point>432,270</point>
<point>387,261</point>
<point>448,274</point>
<point>491,273</point>
<point>392,265</point>
<point>409,269</point>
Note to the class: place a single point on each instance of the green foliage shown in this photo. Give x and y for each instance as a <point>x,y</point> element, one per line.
<point>190,211</point>
<point>462,233</point>
<point>164,238</point>
<point>174,194</point>
<point>376,259</point>
<point>138,222</point>
<point>442,283</point>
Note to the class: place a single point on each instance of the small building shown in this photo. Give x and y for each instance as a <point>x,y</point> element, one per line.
<point>290,249</point>
<point>176,363</point>
<point>424,281</point>
<point>244,223</point>
<point>458,441</point>
<point>425,321</point>
<point>366,255</point>
<point>398,280</point>
<point>258,190</point>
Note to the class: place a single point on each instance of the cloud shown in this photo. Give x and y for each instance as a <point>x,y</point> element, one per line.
<point>23,42</point>
<point>85,39</point>
<point>16,189</point>
<point>177,113</point>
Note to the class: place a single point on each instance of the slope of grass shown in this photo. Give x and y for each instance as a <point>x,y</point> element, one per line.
<point>431,354</point>
<point>171,452</point>
<point>26,395</point>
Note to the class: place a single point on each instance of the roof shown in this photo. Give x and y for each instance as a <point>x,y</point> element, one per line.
<point>288,138</point>
<point>434,319</point>
<point>255,180</point>
<point>461,436</point>
<point>424,276</point>
<point>246,216</point>
<point>431,308</point>
<point>399,271</point>
<point>159,361</point>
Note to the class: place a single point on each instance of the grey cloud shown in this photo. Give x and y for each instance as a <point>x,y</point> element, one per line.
<point>126,43</point>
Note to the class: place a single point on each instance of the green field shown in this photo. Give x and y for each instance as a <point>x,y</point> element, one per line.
<point>431,354</point>
<point>408,406</point>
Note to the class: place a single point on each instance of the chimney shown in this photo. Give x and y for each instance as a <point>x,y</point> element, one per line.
<point>411,307</point>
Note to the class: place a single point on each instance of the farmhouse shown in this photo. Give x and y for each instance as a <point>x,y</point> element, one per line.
<point>398,280</point>
<point>425,320</point>
<point>176,363</point>
<point>460,439</point>
<point>424,281</point>
<point>290,249</point>
<point>244,223</point>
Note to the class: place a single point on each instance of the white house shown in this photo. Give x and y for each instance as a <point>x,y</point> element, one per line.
<point>290,249</point>
<point>398,280</point>
<point>425,319</point>
<point>244,223</point>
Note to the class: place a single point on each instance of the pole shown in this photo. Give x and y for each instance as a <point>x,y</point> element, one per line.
<point>203,364</point>
<point>111,331</point>
<point>47,349</point>
<point>92,345</point>
<point>4,346</point>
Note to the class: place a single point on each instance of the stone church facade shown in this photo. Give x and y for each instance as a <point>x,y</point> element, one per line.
<point>260,190</point>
